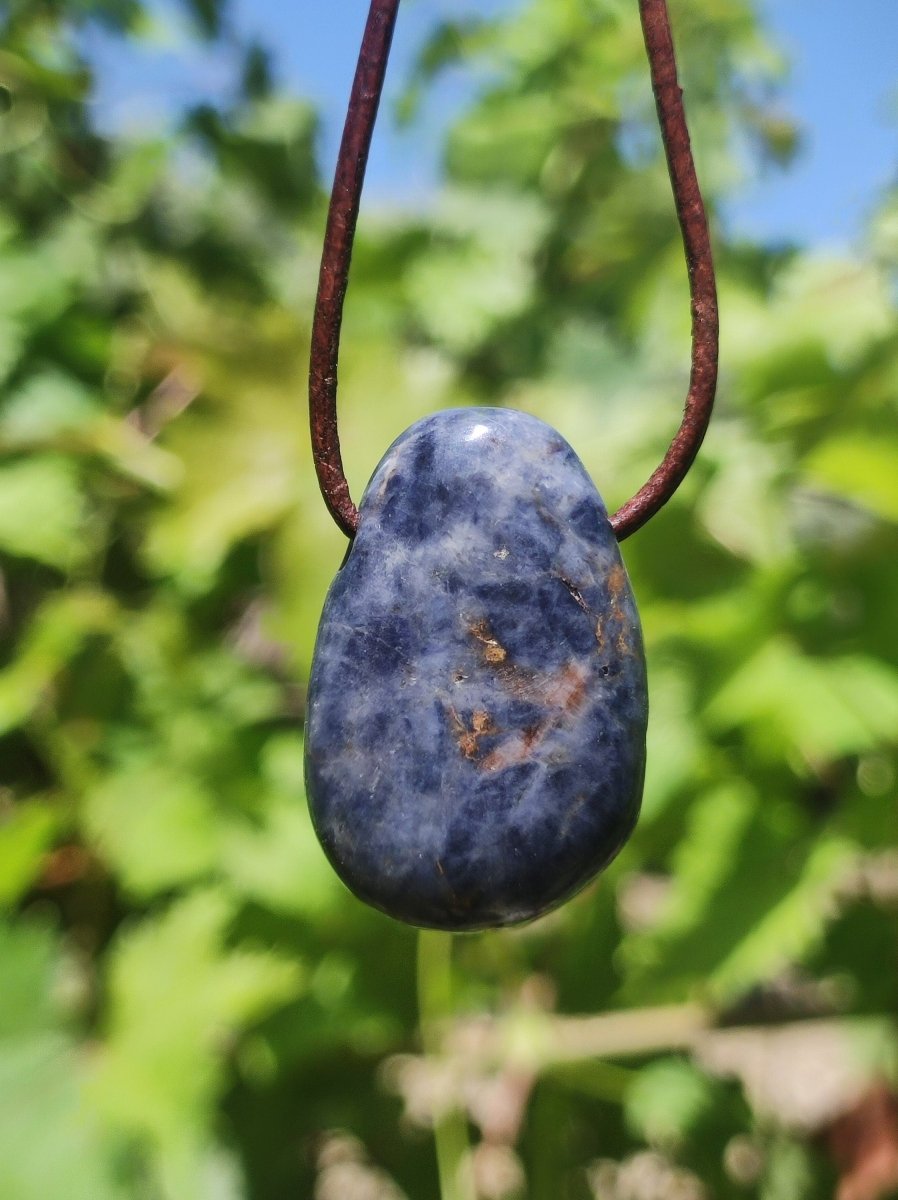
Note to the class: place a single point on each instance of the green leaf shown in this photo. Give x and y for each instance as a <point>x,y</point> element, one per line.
<point>740,911</point>
<point>28,955</point>
<point>54,411</point>
<point>666,1100</point>
<point>49,405</point>
<point>55,635</point>
<point>704,858</point>
<point>123,195</point>
<point>240,476</point>
<point>793,924</point>
<point>154,826</point>
<point>12,338</point>
<point>26,831</point>
<point>482,272</point>
<point>50,1142</point>
<point>822,311</point>
<point>744,505</point>
<point>860,467</point>
<point>281,865</point>
<point>825,708</point>
<point>788,1174</point>
<point>38,277</point>
<point>43,512</point>
<point>178,997</point>
<point>675,756</point>
<point>277,861</point>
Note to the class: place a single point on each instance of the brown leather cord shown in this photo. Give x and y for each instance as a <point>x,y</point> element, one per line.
<point>341,223</point>
<point>334,277</point>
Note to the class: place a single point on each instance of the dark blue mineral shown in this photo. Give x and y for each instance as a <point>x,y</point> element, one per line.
<point>475,742</point>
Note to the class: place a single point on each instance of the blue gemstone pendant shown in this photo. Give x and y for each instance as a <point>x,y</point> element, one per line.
<point>475,738</point>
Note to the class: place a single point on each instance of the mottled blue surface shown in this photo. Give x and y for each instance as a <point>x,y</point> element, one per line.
<point>475,742</point>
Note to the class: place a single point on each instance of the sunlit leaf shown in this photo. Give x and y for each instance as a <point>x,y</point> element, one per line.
<point>862,468</point>
<point>50,1143</point>
<point>54,636</point>
<point>665,1100</point>
<point>739,911</point>
<point>825,707</point>
<point>279,862</point>
<point>154,826</point>
<point>43,511</point>
<point>178,995</point>
<point>28,953</point>
<point>26,832</point>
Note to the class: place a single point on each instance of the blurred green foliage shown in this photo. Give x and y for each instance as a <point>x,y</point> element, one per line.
<point>191,1006</point>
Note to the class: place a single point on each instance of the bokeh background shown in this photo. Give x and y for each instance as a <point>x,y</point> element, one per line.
<point>191,1005</point>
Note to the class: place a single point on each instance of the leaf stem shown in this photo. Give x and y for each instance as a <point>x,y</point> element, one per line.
<point>435,1005</point>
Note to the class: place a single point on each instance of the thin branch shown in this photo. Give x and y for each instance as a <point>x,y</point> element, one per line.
<point>435,1004</point>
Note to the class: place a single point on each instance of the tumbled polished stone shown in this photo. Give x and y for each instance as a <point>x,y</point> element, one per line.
<point>475,742</point>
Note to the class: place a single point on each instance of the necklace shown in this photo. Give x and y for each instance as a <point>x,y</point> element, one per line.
<point>475,731</point>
